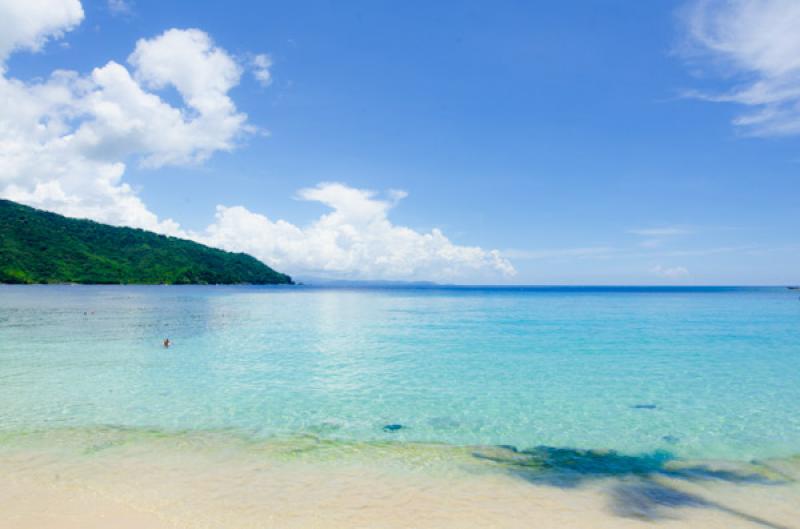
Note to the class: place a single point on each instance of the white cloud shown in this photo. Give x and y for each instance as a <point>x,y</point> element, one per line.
<point>674,273</point>
<point>759,41</point>
<point>355,239</point>
<point>119,7</point>
<point>65,141</point>
<point>261,64</point>
<point>188,60</point>
<point>29,24</point>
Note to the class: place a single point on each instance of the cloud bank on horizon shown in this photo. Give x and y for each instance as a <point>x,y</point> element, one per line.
<point>357,237</point>
<point>65,142</point>
<point>757,43</point>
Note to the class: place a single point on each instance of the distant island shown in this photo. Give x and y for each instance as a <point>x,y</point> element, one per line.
<point>41,247</point>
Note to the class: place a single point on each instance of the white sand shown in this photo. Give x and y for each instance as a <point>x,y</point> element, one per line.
<point>177,484</point>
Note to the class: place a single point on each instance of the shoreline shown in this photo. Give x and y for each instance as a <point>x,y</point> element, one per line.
<point>147,478</point>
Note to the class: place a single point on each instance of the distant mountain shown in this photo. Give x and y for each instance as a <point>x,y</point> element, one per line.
<point>364,283</point>
<point>41,247</point>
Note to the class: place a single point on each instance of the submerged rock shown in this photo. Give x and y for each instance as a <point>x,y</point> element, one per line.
<point>392,428</point>
<point>671,439</point>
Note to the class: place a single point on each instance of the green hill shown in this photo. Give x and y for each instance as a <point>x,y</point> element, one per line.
<point>41,247</point>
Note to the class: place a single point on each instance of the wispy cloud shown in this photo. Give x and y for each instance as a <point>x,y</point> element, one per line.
<point>560,253</point>
<point>655,237</point>
<point>674,272</point>
<point>665,231</point>
<point>699,252</point>
<point>616,253</point>
<point>120,7</point>
<point>758,43</point>
<point>260,65</point>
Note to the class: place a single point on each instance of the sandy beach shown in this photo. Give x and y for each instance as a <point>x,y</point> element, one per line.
<point>132,480</point>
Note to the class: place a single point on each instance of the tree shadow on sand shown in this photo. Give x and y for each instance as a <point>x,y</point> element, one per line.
<point>638,491</point>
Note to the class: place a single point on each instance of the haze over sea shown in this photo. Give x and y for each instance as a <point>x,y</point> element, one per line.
<point>573,387</point>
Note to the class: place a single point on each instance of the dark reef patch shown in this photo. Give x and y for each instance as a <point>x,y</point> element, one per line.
<point>391,428</point>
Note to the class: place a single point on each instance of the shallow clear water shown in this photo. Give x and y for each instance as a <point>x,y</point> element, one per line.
<point>700,372</point>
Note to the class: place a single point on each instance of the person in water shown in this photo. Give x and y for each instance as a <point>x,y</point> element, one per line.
<point>167,343</point>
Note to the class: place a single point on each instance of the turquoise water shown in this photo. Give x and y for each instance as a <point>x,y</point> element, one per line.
<point>699,372</point>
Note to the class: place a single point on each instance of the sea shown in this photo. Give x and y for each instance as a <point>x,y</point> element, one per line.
<point>566,388</point>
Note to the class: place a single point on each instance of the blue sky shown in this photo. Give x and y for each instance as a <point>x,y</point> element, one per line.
<point>587,142</point>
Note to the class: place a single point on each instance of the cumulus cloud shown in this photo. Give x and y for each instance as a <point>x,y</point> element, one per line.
<point>355,239</point>
<point>188,60</point>
<point>759,42</point>
<point>29,24</point>
<point>261,64</point>
<point>674,273</point>
<point>65,140</point>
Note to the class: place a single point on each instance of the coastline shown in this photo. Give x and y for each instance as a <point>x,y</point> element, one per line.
<point>86,478</point>
<point>272,407</point>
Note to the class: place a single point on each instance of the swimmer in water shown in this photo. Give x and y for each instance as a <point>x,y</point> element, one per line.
<point>167,343</point>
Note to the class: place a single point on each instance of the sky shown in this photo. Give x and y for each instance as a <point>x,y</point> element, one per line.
<point>507,142</point>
